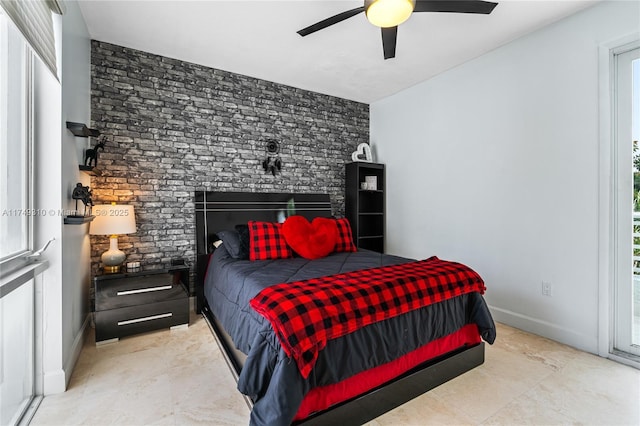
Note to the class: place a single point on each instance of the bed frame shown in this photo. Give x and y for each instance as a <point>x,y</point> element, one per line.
<point>216,211</point>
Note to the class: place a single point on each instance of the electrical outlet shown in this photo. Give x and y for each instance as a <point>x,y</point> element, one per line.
<point>546,288</point>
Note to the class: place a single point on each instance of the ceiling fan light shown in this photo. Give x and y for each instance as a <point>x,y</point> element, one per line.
<point>388,13</point>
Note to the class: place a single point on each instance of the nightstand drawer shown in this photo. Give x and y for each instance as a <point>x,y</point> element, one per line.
<point>115,323</point>
<point>137,291</point>
<point>140,301</point>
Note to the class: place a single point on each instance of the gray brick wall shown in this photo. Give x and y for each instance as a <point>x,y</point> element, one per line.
<point>175,127</point>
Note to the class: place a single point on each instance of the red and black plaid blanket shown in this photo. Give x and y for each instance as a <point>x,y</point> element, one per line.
<point>306,314</point>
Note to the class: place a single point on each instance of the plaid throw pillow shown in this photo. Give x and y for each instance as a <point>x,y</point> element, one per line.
<point>267,242</point>
<point>344,242</point>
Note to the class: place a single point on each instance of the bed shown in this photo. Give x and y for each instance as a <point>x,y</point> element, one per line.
<point>356,377</point>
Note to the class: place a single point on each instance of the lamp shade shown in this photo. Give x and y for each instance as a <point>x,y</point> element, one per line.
<point>113,219</point>
<point>388,13</point>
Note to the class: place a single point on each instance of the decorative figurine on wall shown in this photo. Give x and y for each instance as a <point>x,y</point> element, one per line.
<point>82,193</point>
<point>91,154</point>
<point>272,164</point>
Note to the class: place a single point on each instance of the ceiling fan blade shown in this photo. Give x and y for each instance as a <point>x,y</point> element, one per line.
<point>330,21</point>
<point>389,37</point>
<point>455,6</point>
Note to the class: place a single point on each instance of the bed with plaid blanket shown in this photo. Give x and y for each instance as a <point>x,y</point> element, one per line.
<point>269,376</point>
<point>306,314</point>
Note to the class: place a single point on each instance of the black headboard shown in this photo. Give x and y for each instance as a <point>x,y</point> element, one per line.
<point>218,211</point>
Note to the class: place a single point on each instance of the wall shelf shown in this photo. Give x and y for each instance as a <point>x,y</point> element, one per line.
<point>81,130</point>
<point>90,170</point>
<point>77,220</point>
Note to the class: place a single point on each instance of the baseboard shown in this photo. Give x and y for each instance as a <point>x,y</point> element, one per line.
<point>76,348</point>
<point>545,329</point>
<point>54,382</point>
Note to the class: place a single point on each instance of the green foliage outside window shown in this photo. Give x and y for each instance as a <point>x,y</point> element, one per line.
<point>636,206</point>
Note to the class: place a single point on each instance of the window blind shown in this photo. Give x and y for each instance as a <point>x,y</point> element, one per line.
<point>33,19</point>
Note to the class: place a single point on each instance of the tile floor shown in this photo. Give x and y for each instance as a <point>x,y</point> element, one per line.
<point>179,377</point>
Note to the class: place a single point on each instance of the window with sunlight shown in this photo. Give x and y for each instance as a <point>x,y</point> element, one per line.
<point>14,142</point>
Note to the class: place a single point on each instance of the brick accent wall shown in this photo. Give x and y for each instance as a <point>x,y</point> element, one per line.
<point>175,127</point>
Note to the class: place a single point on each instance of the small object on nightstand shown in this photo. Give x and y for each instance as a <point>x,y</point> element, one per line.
<point>133,266</point>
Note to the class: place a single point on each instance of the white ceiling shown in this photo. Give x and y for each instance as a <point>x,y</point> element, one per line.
<point>258,39</point>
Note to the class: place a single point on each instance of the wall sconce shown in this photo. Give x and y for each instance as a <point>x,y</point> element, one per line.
<point>113,219</point>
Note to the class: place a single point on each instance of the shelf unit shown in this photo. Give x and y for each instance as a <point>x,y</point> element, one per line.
<point>365,208</point>
<point>81,130</point>
<point>90,170</point>
<point>77,220</point>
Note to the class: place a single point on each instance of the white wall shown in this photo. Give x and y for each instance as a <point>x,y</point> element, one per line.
<point>76,107</point>
<point>495,164</point>
<point>65,287</point>
<point>47,159</point>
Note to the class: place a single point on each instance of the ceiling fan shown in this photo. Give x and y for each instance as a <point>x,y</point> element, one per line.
<point>388,14</point>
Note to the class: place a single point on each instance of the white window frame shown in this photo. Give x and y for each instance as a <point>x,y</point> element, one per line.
<point>606,195</point>
<point>20,268</point>
<point>13,261</point>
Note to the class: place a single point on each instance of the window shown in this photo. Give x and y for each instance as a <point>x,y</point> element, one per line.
<point>626,301</point>
<point>15,143</point>
<point>21,345</point>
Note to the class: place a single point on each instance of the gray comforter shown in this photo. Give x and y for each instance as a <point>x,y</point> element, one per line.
<point>270,378</point>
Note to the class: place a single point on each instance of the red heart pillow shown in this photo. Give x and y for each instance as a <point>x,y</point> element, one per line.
<point>310,240</point>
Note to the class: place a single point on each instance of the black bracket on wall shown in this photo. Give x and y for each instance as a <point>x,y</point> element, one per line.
<point>81,130</point>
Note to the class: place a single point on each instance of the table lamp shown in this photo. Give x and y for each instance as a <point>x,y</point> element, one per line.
<point>113,219</point>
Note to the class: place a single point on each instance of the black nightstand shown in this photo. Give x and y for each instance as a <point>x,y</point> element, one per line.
<point>136,302</point>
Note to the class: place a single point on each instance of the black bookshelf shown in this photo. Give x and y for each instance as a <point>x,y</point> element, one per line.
<point>365,207</point>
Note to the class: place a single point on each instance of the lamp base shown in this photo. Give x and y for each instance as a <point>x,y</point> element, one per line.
<point>111,269</point>
<point>113,258</point>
